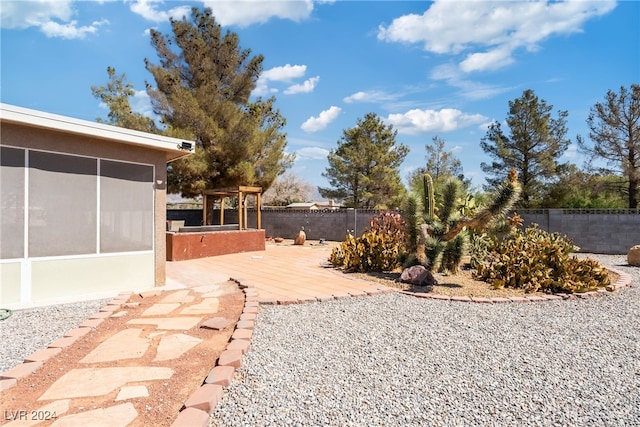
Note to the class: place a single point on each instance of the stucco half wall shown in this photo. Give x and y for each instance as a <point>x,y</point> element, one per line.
<point>32,275</point>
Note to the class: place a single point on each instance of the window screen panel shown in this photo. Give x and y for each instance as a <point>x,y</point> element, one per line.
<point>62,204</point>
<point>11,202</point>
<point>126,207</point>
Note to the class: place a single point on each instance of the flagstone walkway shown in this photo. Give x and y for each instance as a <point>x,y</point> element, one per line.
<point>163,357</point>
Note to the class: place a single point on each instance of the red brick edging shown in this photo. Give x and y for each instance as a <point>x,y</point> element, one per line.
<point>202,402</point>
<point>34,361</point>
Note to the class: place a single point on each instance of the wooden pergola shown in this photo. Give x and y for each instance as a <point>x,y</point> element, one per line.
<point>241,192</point>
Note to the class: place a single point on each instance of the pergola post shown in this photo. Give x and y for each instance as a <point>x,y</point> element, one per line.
<point>221,210</point>
<point>259,211</point>
<point>242,192</point>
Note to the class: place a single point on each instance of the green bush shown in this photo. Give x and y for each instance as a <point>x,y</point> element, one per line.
<point>380,247</point>
<point>482,243</point>
<point>534,260</point>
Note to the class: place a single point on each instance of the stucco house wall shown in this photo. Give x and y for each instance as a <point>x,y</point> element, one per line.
<point>33,278</point>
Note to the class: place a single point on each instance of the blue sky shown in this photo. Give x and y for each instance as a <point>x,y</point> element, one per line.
<point>443,68</point>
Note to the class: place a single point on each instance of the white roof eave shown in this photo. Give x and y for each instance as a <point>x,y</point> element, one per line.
<point>34,118</point>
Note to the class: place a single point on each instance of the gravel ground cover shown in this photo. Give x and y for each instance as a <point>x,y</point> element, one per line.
<point>397,360</point>
<point>27,331</point>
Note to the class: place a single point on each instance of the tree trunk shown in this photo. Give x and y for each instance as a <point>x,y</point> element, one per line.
<point>633,193</point>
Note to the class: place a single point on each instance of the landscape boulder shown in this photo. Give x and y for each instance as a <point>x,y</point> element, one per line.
<point>633,257</point>
<point>300,238</point>
<point>418,275</point>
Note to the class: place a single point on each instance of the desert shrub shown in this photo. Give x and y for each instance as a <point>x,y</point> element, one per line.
<point>534,260</point>
<point>391,224</point>
<point>482,243</point>
<point>380,247</point>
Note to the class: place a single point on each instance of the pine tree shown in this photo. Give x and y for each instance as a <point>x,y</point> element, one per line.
<point>115,95</point>
<point>533,148</point>
<point>615,130</point>
<point>364,170</point>
<point>202,92</point>
<point>441,165</point>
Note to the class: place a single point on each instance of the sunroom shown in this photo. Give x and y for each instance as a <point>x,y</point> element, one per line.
<point>82,208</point>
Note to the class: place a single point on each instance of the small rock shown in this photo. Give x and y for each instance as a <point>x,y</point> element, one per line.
<point>418,275</point>
<point>300,238</point>
<point>633,257</point>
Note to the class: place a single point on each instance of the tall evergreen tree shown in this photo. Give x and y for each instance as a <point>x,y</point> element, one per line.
<point>615,131</point>
<point>202,92</point>
<point>116,95</point>
<point>364,170</point>
<point>533,148</point>
<point>441,165</point>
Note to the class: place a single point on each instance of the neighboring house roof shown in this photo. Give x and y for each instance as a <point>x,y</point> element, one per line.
<point>173,147</point>
<point>307,205</point>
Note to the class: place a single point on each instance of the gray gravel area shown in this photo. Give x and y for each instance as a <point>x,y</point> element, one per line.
<point>30,330</point>
<point>397,360</point>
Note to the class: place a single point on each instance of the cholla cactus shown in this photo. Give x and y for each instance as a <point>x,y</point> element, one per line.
<point>440,241</point>
<point>429,198</point>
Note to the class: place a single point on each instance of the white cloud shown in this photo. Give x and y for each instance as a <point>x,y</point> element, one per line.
<point>496,28</point>
<point>315,124</point>
<point>258,12</point>
<point>286,73</point>
<point>421,121</point>
<point>148,10</point>
<point>312,153</point>
<point>18,14</point>
<point>53,18</point>
<point>70,30</point>
<point>490,60</point>
<point>369,96</point>
<point>468,88</point>
<point>571,152</point>
<point>141,103</point>
<point>305,87</point>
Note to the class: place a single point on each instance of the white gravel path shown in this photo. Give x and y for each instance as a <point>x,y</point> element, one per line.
<point>397,360</point>
<point>30,330</point>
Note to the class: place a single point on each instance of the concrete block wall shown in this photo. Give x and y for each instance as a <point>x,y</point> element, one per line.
<point>596,231</point>
<point>330,225</point>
